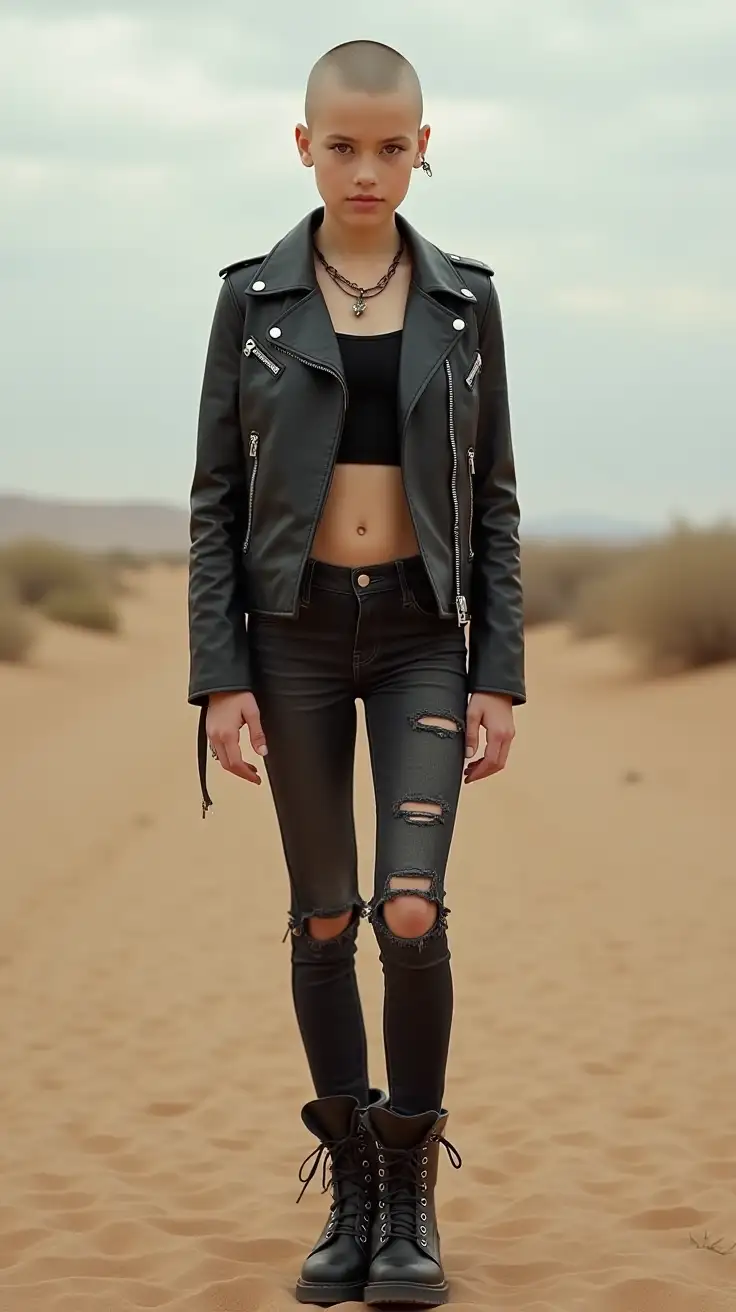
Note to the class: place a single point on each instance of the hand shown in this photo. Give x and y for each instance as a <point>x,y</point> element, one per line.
<point>495,712</point>
<point>227,712</point>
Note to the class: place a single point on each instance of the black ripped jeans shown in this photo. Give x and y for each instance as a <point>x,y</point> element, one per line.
<point>372,633</point>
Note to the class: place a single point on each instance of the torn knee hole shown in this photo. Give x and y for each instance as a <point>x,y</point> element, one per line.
<point>441,723</point>
<point>418,810</point>
<point>325,927</point>
<point>411,907</point>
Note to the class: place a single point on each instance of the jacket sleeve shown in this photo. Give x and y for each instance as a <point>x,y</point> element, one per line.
<point>218,644</point>
<point>496,636</point>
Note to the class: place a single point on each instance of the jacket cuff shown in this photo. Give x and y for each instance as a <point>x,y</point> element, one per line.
<point>495,665</point>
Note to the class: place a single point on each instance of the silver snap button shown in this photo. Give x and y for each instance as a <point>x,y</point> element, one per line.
<point>363,581</point>
<point>276,332</point>
<point>465,291</point>
<point>258,286</point>
<point>456,323</point>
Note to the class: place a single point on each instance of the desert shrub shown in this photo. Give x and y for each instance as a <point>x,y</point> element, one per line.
<point>554,574</point>
<point>120,558</point>
<point>84,607</point>
<point>36,567</point>
<point>675,601</point>
<point>171,559</point>
<point>17,632</point>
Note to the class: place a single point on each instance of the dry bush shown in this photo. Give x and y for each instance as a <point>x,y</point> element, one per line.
<point>675,601</point>
<point>555,573</point>
<point>37,567</point>
<point>121,560</point>
<point>171,559</point>
<point>85,608</point>
<point>17,632</point>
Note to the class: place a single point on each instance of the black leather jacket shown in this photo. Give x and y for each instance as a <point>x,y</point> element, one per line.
<point>272,407</point>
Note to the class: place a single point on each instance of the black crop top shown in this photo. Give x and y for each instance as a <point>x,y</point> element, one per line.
<point>371,432</point>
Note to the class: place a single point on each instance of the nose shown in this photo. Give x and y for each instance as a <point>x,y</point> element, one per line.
<point>365,171</point>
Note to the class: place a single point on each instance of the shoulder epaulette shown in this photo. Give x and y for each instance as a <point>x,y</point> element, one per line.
<point>470,263</point>
<point>241,264</point>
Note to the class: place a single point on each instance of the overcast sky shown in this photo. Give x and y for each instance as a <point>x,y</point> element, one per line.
<point>586,149</point>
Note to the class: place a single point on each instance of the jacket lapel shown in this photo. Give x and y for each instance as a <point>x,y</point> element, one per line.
<point>432,327</point>
<point>303,325</point>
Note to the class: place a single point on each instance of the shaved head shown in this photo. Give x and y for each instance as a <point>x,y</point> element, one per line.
<point>366,66</point>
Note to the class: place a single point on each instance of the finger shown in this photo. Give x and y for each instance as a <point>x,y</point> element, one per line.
<point>503,755</point>
<point>489,763</point>
<point>472,733</point>
<point>234,762</point>
<point>256,734</point>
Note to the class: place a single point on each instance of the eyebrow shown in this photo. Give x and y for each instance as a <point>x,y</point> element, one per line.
<point>338,136</point>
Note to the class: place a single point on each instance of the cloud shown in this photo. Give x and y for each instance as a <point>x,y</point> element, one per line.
<point>584,148</point>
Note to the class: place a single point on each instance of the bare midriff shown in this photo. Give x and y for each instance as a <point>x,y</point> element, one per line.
<point>366,519</point>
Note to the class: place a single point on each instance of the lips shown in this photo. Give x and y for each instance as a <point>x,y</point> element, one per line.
<point>364,200</point>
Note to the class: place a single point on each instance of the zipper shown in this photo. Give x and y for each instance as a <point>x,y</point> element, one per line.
<point>471,476</point>
<point>461,605</point>
<point>325,369</point>
<point>252,348</point>
<point>474,371</point>
<point>253,453</point>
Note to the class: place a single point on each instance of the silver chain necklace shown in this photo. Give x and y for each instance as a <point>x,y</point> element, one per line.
<point>364,293</point>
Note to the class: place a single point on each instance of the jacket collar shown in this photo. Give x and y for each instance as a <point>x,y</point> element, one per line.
<point>289,266</point>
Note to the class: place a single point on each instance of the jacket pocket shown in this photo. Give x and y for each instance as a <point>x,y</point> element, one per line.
<point>253,457</point>
<point>471,476</point>
<point>475,370</point>
<point>252,348</point>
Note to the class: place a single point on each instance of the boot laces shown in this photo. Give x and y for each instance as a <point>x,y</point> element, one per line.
<point>343,1172</point>
<point>403,1183</point>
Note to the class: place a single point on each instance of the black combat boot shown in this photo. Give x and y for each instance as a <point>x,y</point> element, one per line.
<point>337,1267</point>
<point>406,1266</point>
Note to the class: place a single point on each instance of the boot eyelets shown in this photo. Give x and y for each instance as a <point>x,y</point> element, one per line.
<point>423,1229</point>
<point>423,1216</point>
<point>423,1174</point>
<point>381,1172</point>
<point>424,1161</point>
<point>423,1242</point>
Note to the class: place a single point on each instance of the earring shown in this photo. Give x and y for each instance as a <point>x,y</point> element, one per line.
<point>426,167</point>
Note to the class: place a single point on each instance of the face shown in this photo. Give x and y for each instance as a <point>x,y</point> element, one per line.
<point>363,149</point>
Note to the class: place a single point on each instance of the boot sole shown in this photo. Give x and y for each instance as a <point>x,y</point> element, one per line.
<point>393,1292</point>
<point>327,1295</point>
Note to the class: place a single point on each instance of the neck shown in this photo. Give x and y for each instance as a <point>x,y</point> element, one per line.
<point>338,240</point>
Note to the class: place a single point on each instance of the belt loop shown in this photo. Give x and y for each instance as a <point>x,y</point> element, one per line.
<point>306,591</point>
<point>406,597</point>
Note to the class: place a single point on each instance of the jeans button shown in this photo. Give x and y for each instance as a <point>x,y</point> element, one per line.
<point>364,580</point>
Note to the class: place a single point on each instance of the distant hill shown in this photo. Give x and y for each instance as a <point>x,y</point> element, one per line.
<point>149,526</point>
<point>96,526</point>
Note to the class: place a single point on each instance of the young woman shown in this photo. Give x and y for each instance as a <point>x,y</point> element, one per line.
<point>353,508</point>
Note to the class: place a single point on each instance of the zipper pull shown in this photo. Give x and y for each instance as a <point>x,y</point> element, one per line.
<point>471,459</point>
<point>248,346</point>
<point>461,607</point>
<point>254,444</point>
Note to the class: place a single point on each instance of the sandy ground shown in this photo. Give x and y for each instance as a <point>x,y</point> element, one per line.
<point>151,1074</point>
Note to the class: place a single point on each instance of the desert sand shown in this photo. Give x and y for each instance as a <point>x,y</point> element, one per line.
<point>152,1076</point>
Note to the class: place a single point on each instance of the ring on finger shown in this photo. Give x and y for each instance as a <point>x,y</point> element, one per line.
<point>213,753</point>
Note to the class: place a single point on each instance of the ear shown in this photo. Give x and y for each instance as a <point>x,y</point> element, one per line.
<point>422,142</point>
<point>303,144</point>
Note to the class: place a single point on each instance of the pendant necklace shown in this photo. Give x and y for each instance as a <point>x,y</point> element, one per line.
<point>364,293</point>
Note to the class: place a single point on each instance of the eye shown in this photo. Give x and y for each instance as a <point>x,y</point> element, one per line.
<point>394,147</point>
<point>341,147</point>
